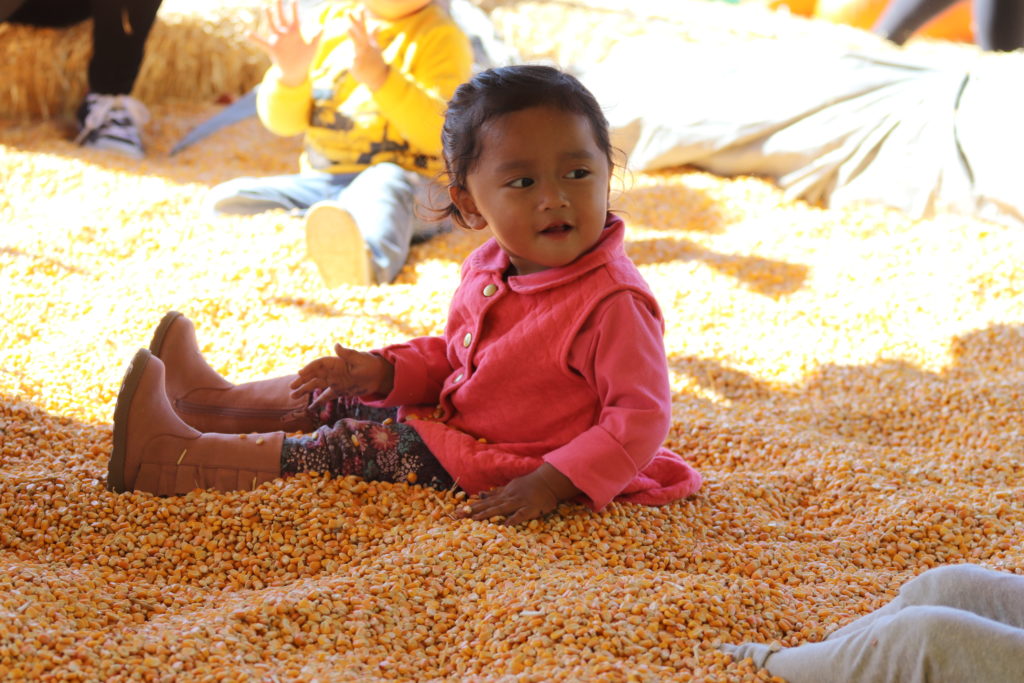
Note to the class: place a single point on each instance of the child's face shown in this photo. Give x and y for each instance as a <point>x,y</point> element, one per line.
<point>541,185</point>
<point>390,10</point>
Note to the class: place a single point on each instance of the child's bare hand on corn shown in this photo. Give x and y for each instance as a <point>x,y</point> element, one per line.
<point>348,373</point>
<point>284,43</point>
<point>524,498</point>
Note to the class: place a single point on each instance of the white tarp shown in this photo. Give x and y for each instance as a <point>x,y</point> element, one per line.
<point>831,127</point>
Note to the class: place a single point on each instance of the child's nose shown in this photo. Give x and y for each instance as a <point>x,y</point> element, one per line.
<point>553,196</point>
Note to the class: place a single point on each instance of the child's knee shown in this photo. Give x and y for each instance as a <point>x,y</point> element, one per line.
<point>938,585</point>
<point>929,629</point>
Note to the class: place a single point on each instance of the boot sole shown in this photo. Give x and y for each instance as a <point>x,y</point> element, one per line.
<point>129,385</point>
<point>336,246</point>
<point>157,343</point>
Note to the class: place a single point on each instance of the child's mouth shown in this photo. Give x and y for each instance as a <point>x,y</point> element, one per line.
<point>556,229</point>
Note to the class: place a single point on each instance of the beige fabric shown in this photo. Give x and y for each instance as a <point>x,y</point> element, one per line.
<point>834,128</point>
<point>949,625</point>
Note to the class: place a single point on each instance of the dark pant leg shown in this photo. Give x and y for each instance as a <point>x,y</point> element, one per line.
<point>363,441</point>
<point>52,13</point>
<point>120,29</point>
<point>374,451</point>
<point>327,413</point>
<point>902,17</point>
<point>999,24</point>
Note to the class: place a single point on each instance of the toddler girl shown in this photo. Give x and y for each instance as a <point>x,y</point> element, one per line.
<point>549,383</point>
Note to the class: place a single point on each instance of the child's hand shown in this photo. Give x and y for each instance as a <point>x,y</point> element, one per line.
<point>285,45</point>
<point>350,373</point>
<point>368,65</point>
<point>524,498</point>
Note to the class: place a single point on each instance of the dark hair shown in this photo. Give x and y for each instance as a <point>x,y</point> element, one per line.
<point>503,90</point>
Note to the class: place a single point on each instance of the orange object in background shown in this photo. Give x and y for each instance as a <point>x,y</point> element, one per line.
<point>804,8</point>
<point>953,24</point>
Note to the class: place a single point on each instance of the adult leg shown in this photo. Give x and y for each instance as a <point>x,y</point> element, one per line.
<point>902,17</point>
<point>914,645</point>
<point>51,13</point>
<point>999,24</point>
<point>109,118</point>
<point>120,30</point>
<point>296,192</point>
<point>988,593</point>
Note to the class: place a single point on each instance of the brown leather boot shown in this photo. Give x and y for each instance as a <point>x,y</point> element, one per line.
<point>155,451</point>
<point>210,403</point>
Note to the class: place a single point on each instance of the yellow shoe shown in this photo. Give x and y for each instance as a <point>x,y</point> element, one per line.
<point>336,246</point>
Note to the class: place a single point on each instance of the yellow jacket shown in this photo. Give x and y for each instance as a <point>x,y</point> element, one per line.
<point>347,127</point>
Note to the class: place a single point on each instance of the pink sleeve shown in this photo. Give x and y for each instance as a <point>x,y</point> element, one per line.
<point>421,366</point>
<point>620,353</point>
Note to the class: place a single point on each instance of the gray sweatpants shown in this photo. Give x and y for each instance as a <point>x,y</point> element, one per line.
<point>950,624</point>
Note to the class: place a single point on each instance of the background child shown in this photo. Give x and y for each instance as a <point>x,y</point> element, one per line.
<point>368,92</point>
<point>948,625</point>
<point>550,381</point>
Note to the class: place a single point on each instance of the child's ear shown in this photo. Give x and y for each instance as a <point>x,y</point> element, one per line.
<point>467,207</point>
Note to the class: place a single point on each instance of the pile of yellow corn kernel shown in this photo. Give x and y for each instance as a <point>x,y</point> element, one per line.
<point>849,383</point>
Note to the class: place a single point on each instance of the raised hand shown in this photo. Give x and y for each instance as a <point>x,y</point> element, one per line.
<point>348,373</point>
<point>368,65</point>
<point>284,43</point>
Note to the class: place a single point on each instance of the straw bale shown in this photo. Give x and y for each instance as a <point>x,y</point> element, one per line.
<point>45,69</point>
<point>201,53</point>
<point>194,53</point>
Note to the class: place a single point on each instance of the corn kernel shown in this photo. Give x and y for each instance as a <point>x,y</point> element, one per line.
<point>850,436</point>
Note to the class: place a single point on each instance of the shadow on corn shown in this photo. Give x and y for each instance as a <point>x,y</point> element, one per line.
<point>972,407</point>
<point>731,384</point>
<point>764,276</point>
<point>670,207</point>
<point>245,149</point>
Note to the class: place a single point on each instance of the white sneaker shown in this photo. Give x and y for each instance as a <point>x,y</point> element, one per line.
<point>336,246</point>
<point>112,122</point>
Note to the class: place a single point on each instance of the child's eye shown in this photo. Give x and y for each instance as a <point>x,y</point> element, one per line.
<point>521,182</point>
<point>577,173</point>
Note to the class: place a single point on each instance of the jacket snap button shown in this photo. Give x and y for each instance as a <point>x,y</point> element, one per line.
<point>458,378</point>
<point>468,339</point>
<point>489,290</point>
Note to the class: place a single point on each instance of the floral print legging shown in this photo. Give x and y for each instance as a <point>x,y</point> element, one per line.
<point>360,440</point>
